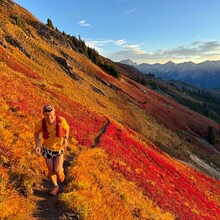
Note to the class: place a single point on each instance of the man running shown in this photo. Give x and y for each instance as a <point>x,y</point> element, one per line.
<point>55,132</point>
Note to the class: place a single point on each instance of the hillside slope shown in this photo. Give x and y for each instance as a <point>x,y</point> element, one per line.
<point>126,138</point>
<point>203,101</point>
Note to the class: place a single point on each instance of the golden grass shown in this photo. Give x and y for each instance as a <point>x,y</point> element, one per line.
<point>95,191</point>
<point>19,166</point>
<point>12,204</point>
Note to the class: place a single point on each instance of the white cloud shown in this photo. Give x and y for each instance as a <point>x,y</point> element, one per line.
<point>83,23</point>
<point>135,48</point>
<point>102,43</point>
<point>197,51</point>
<point>120,42</point>
<point>99,44</point>
<point>130,11</point>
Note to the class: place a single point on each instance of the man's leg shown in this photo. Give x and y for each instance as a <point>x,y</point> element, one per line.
<point>52,175</point>
<point>58,167</point>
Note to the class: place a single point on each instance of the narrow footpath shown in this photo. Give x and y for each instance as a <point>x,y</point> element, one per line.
<point>49,207</point>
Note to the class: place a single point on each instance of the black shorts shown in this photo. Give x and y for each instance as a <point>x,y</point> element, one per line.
<point>51,154</point>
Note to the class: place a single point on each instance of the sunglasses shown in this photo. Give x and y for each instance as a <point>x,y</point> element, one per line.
<point>48,110</point>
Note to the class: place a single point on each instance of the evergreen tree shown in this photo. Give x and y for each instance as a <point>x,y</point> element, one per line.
<point>110,70</point>
<point>49,23</point>
<point>75,41</point>
<point>143,82</point>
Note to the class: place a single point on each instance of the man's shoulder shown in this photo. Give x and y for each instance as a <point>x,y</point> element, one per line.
<point>62,119</point>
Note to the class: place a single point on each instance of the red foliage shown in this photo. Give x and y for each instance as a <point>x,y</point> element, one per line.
<point>167,112</point>
<point>85,125</point>
<point>175,187</point>
<point>17,66</point>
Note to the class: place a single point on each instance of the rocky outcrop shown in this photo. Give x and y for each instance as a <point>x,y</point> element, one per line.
<point>66,67</point>
<point>14,42</point>
<point>50,35</point>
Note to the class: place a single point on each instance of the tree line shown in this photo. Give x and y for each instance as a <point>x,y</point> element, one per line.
<point>80,45</point>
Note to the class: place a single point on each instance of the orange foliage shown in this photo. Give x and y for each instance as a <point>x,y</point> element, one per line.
<point>12,205</point>
<point>97,192</point>
<point>17,66</point>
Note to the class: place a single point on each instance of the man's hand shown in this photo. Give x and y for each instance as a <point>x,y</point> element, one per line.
<point>65,144</point>
<point>38,151</point>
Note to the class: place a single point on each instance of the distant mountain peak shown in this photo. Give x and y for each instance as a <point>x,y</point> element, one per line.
<point>204,75</point>
<point>170,62</point>
<point>128,62</point>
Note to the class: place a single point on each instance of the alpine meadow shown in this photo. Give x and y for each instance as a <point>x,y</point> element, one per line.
<point>134,151</point>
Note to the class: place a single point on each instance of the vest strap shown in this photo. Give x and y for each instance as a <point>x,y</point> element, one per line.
<point>58,128</point>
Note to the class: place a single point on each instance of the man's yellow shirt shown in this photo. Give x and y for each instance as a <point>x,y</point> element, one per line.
<point>53,143</point>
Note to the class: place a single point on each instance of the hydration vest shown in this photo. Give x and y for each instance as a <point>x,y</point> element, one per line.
<point>58,128</point>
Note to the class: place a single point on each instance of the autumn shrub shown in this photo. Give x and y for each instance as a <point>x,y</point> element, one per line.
<point>95,191</point>
<point>18,20</point>
<point>170,184</point>
<point>12,204</point>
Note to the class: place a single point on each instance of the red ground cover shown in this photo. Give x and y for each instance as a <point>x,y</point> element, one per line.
<point>17,66</point>
<point>173,186</point>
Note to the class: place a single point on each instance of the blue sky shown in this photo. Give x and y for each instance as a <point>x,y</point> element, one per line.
<point>145,31</point>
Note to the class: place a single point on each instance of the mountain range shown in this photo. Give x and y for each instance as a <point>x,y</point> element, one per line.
<point>204,75</point>
<point>139,148</point>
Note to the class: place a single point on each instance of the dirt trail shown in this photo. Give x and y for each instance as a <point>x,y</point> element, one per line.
<point>49,207</point>
<point>103,129</point>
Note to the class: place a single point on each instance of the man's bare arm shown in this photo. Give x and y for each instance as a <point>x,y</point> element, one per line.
<point>37,143</point>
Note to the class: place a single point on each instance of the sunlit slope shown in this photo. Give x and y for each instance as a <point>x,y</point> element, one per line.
<point>52,59</point>
<point>97,191</point>
<point>20,104</point>
<point>174,186</point>
<point>114,123</point>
